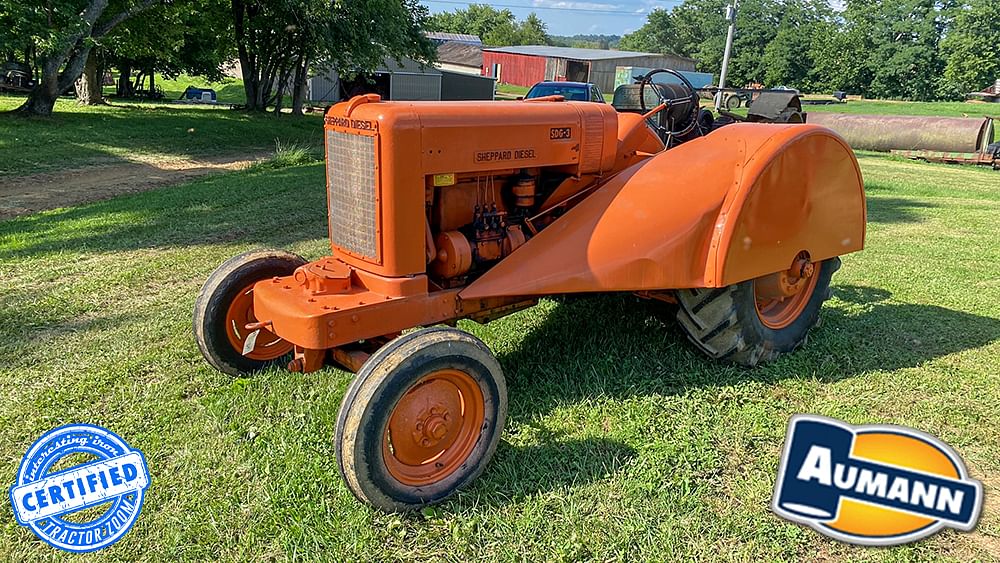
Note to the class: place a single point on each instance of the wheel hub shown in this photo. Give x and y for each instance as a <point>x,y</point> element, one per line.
<point>781,297</point>
<point>434,427</point>
<point>268,345</point>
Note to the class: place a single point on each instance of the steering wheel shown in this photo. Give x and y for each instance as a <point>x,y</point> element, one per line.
<point>692,116</point>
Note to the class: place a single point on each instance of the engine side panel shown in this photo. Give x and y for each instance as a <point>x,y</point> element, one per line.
<point>399,145</point>
<point>681,219</point>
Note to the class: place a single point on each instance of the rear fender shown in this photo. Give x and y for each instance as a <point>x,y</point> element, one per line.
<point>737,204</point>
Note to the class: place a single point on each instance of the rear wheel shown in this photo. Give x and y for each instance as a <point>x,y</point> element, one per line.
<point>421,419</point>
<point>756,321</point>
<point>225,307</point>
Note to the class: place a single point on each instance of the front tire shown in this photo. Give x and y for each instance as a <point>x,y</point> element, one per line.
<point>421,419</point>
<point>735,324</point>
<point>225,306</point>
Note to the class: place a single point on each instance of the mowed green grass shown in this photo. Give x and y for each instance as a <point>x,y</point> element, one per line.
<point>80,136</point>
<point>622,442</point>
<point>891,107</point>
<point>227,91</point>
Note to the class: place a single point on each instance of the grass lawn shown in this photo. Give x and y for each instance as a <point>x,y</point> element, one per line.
<point>77,135</point>
<point>228,91</point>
<point>623,442</point>
<point>890,107</point>
<point>512,89</point>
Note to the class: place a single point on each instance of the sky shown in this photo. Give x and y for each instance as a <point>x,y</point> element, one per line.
<point>569,17</point>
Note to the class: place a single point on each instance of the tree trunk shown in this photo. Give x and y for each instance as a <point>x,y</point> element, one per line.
<point>43,96</point>
<point>248,66</point>
<point>299,84</point>
<point>90,87</point>
<point>52,82</point>
<point>124,89</point>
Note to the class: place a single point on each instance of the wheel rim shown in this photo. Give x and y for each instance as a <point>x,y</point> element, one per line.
<point>434,427</point>
<point>778,309</point>
<point>240,313</point>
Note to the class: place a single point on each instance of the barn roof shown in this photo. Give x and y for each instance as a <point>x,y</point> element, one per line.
<point>575,53</point>
<point>460,54</point>
<point>460,37</point>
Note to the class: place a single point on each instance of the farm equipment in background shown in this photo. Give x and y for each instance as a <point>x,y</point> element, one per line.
<point>686,119</point>
<point>885,133</point>
<point>989,157</point>
<point>193,94</point>
<point>441,211</point>
<point>15,77</point>
<point>990,94</point>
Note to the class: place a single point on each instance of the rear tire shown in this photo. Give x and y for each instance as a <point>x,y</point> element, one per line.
<point>219,327</point>
<point>421,419</point>
<point>725,323</point>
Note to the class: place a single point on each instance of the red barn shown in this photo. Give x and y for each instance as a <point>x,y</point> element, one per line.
<point>527,64</point>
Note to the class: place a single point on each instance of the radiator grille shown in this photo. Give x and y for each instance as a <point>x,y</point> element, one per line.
<point>351,186</point>
<point>593,142</point>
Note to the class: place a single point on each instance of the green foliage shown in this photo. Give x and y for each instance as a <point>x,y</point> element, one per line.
<point>587,41</point>
<point>193,37</point>
<point>495,27</point>
<point>891,48</point>
<point>788,57</point>
<point>279,42</point>
<point>896,49</point>
<point>972,47</point>
<point>289,154</point>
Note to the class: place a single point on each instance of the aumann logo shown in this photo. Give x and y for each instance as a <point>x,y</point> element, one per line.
<point>872,485</point>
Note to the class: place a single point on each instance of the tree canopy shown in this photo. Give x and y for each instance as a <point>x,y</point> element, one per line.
<point>495,27</point>
<point>904,49</point>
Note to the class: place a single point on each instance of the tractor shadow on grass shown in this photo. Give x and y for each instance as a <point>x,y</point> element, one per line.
<point>266,208</point>
<point>614,346</point>
<point>896,209</point>
<point>517,472</point>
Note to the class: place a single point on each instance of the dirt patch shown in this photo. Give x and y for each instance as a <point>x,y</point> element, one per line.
<point>24,195</point>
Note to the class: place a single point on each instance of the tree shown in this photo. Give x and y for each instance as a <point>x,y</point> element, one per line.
<point>885,49</point>
<point>495,27</point>
<point>64,32</point>
<point>697,29</point>
<point>532,31</point>
<point>278,41</point>
<point>788,58</point>
<point>193,37</point>
<point>657,35</point>
<point>971,48</point>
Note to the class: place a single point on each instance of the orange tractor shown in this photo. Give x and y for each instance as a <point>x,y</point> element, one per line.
<point>440,211</point>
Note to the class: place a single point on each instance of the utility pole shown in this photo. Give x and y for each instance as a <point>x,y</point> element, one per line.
<point>731,16</point>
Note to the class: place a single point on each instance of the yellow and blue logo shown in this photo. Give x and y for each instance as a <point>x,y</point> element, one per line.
<point>873,484</point>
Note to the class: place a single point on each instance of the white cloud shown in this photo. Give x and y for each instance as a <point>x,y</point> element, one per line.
<point>572,5</point>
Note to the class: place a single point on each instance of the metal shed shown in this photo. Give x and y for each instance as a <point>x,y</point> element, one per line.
<point>402,81</point>
<point>405,80</point>
<point>525,65</point>
<point>463,86</point>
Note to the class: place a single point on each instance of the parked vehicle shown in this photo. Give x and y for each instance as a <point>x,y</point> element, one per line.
<point>573,91</point>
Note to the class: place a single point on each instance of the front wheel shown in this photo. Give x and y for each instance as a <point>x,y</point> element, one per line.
<point>225,307</point>
<point>421,419</point>
<point>756,321</point>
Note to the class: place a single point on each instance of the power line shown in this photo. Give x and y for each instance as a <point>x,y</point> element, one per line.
<point>555,8</point>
